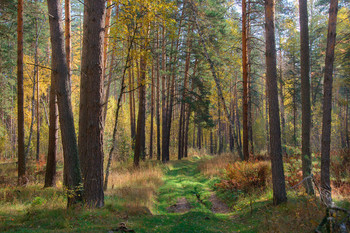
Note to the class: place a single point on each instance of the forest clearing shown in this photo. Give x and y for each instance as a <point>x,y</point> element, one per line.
<point>174,116</point>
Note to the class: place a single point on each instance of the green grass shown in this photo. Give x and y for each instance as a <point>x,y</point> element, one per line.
<point>34,209</point>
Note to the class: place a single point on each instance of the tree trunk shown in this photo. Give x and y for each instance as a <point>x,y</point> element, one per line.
<point>219,129</point>
<point>245,81</point>
<point>91,103</point>
<point>72,176</point>
<point>283,121</point>
<point>164,100</point>
<point>32,121</point>
<point>141,119</point>
<point>152,111</point>
<point>105,50</point>
<point>20,120</point>
<point>238,125</point>
<point>188,113</point>
<point>158,99</point>
<point>50,174</point>
<point>279,191</point>
<point>182,122</point>
<point>327,98</point>
<point>36,77</point>
<point>305,95</point>
<point>199,137</point>
<point>347,132</point>
<point>268,148</point>
<point>67,35</point>
<point>131,102</point>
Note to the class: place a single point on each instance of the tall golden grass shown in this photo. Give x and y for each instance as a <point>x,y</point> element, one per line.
<point>214,166</point>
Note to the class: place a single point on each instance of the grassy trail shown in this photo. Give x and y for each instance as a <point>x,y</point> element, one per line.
<point>183,180</point>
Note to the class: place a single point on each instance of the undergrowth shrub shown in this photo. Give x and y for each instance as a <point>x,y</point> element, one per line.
<point>293,174</point>
<point>245,176</point>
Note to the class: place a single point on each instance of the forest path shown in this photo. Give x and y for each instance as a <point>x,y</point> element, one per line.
<point>185,189</point>
<point>186,203</point>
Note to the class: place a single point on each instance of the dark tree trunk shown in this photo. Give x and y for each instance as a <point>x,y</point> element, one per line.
<point>50,174</point>
<point>106,89</point>
<point>268,149</point>
<point>20,120</point>
<point>283,121</point>
<point>152,113</point>
<point>158,105</point>
<point>182,123</point>
<point>91,103</point>
<point>327,97</point>
<point>211,143</point>
<point>245,81</point>
<point>238,125</point>
<point>36,77</point>
<point>32,121</point>
<point>131,102</point>
<point>164,99</point>
<point>220,129</point>
<point>305,95</point>
<point>250,116</point>
<point>67,35</point>
<point>188,113</point>
<point>72,176</point>
<point>199,137</point>
<point>141,119</point>
<point>347,132</point>
<point>279,191</point>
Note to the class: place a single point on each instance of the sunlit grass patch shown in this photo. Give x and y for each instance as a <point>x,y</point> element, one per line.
<point>213,166</point>
<point>135,187</point>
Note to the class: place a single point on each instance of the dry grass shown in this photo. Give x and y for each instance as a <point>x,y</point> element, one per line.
<point>137,187</point>
<point>215,165</point>
<point>300,215</point>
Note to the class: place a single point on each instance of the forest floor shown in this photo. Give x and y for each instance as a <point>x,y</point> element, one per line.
<point>177,197</point>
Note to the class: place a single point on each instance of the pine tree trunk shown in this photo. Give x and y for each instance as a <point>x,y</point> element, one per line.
<point>238,125</point>
<point>36,77</point>
<point>327,97</point>
<point>131,102</point>
<point>347,132</point>
<point>188,113</point>
<point>219,129</point>
<point>106,89</point>
<point>245,81</point>
<point>20,120</point>
<point>158,99</point>
<point>164,99</point>
<point>67,35</point>
<point>50,174</point>
<point>279,192</point>
<point>305,95</point>
<point>72,176</point>
<point>152,113</point>
<point>283,121</point>
<point>141,118</point>
<point>182,122</point>
<point>91,103</point>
